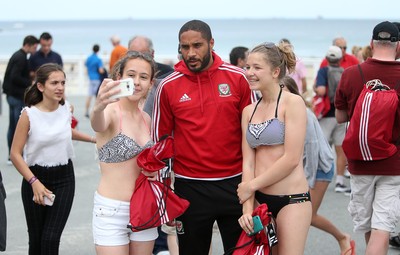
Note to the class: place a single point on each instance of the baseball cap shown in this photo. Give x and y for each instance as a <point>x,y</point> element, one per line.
<point>334,53</point>
<point>386,31</point>
<point>398,26</point>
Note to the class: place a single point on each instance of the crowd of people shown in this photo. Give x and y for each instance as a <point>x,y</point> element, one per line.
<point>244,135</point>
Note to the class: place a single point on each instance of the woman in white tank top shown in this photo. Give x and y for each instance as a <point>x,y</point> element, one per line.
<point>42,151</point>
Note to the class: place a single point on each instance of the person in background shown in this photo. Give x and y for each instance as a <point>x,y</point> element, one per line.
<point>395,239</point>
<point>398,27</point>
<point>300,72</point>
<point>95,69</point>
<point>238,56</point>
<point>357,52</point>
<point>41,152</point>
<point>122,132</point>
<point>16,80</point>
<point>347,59</point>
<point>375,185</point>
<point>366,52</point>
<point>145,45</point>
<point>117,52</point>
<point>3,216</point>
<point>149,103</point>
<point>273,134</point>
<point>45,54</point>
<point>200,104</point>
<point>318,164</point>
<point>326,84</point>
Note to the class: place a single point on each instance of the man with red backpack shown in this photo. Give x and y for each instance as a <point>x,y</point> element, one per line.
<point>375,184</point>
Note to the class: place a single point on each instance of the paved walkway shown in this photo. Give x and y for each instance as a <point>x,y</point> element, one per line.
<point>77,236</point>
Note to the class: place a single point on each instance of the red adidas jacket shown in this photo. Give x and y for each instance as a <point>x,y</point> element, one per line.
<point>203,113</point>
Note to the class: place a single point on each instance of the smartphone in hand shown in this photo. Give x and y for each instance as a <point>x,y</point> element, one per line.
<point>48,201</point>
<point>257,225</point>
<point>127,88</point>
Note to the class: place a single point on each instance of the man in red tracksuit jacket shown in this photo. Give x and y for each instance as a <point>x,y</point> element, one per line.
<point>200,104</point>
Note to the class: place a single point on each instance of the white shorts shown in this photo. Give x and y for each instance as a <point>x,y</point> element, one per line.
<point>374,202</point>
<point>110,221</point>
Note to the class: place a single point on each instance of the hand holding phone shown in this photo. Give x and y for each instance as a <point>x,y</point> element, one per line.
<point>127,88</point>
<point>47,201</point>
<point>257,225</point>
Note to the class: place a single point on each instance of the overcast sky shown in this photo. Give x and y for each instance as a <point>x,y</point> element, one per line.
<point>25,10</point>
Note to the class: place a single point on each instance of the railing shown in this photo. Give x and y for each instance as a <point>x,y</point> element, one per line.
<point>77,79</point>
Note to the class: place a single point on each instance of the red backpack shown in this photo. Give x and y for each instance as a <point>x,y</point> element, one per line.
<point>261,242</point>
<point>154,203</point>
<point>369,135</point>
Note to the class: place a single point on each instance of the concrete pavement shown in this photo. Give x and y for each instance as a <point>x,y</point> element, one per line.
<point>77,236</point>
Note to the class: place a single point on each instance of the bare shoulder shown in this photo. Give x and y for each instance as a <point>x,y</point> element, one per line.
<point>295,100</point>
<point>248,110</point>
<point>24,116</point>
<point>294,105</point>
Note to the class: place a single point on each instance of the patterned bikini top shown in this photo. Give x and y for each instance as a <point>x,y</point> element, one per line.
<point>270,132</point>
<point>121,147</point>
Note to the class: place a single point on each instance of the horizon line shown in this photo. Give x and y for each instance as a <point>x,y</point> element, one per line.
<point>211,18</point>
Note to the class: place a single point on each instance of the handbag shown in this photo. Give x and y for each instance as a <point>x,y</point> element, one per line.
<point>154,203</point>
<point>321,105</point>
<point>74,122</point>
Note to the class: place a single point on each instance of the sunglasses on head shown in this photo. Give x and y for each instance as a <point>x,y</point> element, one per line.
<point>269,45</point>
<point>272,46</point>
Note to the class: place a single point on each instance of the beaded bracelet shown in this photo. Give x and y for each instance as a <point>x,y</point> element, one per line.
<point>32,180</point>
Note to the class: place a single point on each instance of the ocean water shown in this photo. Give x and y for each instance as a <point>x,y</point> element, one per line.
<point>310,37</point>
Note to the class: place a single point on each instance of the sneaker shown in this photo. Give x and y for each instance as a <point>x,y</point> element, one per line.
<point>394,241</point>
<point>346,172</point>
<point>341,188</point>
<point>347,192</point>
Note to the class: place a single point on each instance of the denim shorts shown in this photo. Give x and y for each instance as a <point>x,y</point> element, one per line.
<point>93,87</point>
<point>110,221</point>
<point>325,177</point>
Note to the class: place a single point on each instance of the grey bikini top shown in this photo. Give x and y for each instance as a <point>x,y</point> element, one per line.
<point>121,147</point>
<point>270,132</point>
